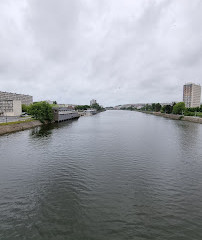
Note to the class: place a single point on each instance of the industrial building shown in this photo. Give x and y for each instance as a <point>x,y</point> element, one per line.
<point>64,113</point>
<point>192,95</point>
<point>10,108</point>
<point>25,99</point>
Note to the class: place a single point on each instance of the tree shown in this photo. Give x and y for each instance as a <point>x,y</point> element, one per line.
<point>148,107</point>
<point>55,102</point>
<point>41,111</point>
<point>167,109</point>
<point>179,108</point>
<point>130,108</point>
<point>158,107</point>
<point>96,106</point>
<point>82,107</point>
<point>153,106</point>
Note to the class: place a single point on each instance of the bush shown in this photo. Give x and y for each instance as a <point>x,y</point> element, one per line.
<point>199,114</point>
<point>189,113</point>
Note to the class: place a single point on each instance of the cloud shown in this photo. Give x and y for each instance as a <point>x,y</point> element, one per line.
<point>113,50</point>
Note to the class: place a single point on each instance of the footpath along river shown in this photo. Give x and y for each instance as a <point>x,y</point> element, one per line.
<point>113,176</point>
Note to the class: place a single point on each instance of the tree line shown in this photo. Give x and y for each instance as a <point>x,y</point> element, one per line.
<point>86,107</point>
<point>175,108</point>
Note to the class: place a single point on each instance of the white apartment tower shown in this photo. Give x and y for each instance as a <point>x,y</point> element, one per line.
<point>192,95</point>
<point>93,101</point>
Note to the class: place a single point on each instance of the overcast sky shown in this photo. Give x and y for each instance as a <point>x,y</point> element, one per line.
<point>116,51</point>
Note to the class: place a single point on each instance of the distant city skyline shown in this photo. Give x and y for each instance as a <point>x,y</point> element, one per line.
<point>112,50</point>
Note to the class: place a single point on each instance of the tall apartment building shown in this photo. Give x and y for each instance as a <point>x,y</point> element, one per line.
<point>25,99</point>
<point>192,95</point>
<point>10,108</point>
<point>93,101</point>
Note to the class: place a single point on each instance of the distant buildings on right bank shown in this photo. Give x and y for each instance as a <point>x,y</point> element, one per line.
<point>192,95</point>
<point>191,98</point>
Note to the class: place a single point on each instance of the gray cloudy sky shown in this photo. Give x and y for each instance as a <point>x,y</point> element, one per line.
<point>117,51</point>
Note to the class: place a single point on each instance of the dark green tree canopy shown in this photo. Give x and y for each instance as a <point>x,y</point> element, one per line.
<point>167,109</point>
<point>82,107</point>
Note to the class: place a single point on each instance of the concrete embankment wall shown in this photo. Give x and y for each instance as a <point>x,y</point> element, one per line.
<point>177,117</point>
<point>18,126</point>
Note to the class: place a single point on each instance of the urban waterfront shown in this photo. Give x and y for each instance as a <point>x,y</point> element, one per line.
<point>115,175</point>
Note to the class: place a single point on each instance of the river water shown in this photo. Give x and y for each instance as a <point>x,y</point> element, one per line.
<point>116,175</point>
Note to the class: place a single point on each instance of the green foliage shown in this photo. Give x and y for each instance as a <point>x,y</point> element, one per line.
<point>82,107</point>
<point>192,114</point>
<point>24,108</point>
<point>55,102</point>
<point>155,107</point>
<point>85,107</point>
<point>179,108</point>
<point>41,111</point>
<point>148,107</point>
<point>96,106</point>
<point>199,114</point>
<point>17,122</point>
<point>167,109</point>
<point>158,107</point>
<point>197,109</point>
<point>187,113</point>
<point>130,108</point>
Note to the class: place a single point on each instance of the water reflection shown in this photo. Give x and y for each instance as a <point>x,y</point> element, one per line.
<point>42,131</point>
<point>47,129</point>
<point>117,175</point>
<point>188,135</point>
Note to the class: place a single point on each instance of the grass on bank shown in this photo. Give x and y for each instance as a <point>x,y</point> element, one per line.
<point>11,123</point>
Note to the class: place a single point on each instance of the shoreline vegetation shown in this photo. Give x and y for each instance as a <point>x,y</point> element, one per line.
<point>176,117</point>
<point>176,111</point>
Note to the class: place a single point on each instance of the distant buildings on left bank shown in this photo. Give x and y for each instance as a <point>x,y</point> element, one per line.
<point>11,103</point>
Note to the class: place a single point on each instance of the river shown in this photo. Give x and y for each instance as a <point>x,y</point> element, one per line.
<point>116,175</point>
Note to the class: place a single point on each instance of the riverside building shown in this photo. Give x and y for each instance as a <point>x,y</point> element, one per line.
<point>192,95</point>
<point>10,108</point>
<point>64,114</point>
<point>25,99</point>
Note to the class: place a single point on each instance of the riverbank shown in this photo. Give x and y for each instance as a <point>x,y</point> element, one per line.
<point>176,117</point>
<point>18,126</point>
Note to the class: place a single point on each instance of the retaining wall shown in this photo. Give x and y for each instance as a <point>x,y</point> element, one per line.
<point>18,126</point>
<point>177,117</point>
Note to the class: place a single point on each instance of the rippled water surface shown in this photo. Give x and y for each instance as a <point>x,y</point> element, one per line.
<point>116,175</point>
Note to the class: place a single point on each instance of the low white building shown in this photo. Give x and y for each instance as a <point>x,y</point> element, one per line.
<point>10,108</point>
<point>64,114</point>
